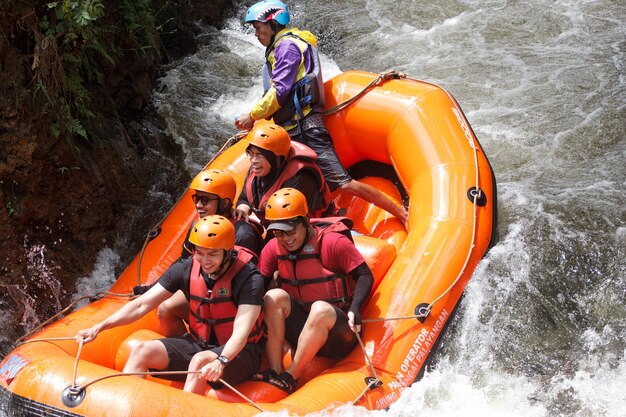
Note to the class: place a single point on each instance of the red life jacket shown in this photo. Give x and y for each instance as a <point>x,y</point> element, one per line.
<point>217,310</point>
<point>304,276</point>
<point>300,157</point>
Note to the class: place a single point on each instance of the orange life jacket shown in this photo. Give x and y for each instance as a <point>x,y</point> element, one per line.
<point>216,309</point>
<point>304,276</point>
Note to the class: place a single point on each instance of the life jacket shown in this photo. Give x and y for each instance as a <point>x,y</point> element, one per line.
<point>300,157</point>
<point>216,309</point>
<point>308,91</point>
<point>304,276</point>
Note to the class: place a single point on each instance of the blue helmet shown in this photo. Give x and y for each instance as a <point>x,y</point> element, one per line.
<point>267,10</point>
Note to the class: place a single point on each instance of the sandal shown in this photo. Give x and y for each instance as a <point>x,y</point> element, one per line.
<point>285,382</point>
<point>265,375</point>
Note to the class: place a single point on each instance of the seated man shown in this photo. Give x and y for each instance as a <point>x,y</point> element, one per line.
<point>215,191</point>
<point>225,292</point>
<point>214,194</point>
<point>323,282</point>
<point>277,163</point>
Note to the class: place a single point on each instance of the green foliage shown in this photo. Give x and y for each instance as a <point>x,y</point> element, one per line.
<point>139,22</point>
<point>71,37</point>
<point>80,43</point>
<point>10,190</point>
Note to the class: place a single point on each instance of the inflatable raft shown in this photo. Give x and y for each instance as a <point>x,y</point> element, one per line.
<point>408,138</point>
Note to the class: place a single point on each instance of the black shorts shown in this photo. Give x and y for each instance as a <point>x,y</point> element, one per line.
<point>341,339</point>
<point>180,350</point>
<point>318,139</point>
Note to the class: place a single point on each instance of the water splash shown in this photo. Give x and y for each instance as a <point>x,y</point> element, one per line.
<point>102,276</point>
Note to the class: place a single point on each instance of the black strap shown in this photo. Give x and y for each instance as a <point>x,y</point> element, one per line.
<point>308,281</point>
<point>212,322</point>
<point>299,256</point>
<point>196,337</point>
<point>205,300</point>
<point>336,301</point>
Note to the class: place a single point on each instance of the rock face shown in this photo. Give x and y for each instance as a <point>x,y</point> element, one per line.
<point>61,202</point>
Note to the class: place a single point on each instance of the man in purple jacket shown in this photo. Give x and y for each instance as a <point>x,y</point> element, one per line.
<point>294,97</point>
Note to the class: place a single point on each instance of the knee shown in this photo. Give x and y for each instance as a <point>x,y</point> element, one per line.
<point>201,359</point>
<point>173,308</point>
<point>275,300</point>
<point>357,188</point>
<point>164,311</point>
<point>322,314</point>
<point>351,185</point>
<point>141,351</point>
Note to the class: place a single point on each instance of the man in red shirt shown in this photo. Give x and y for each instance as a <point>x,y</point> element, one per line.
<point>323,280</point>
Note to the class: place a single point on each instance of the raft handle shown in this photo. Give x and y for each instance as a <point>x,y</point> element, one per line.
<point>154,232</point>
<point>422,311</point>
<point>73,395</point>
<point>96,297</point>
<point>373,382</point>
<point>478,195</point>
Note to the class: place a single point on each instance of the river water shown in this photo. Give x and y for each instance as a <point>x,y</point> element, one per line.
<point>541,330</point>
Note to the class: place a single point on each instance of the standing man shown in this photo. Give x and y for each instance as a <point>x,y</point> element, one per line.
<point>323,282</point>
<point>225,290</point>
<point>294,97</point>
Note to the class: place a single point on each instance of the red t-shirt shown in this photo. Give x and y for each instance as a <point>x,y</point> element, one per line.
<point>338,254</point>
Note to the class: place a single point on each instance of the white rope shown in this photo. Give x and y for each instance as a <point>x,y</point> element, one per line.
<point>476,194</point>
<point>78,388</point>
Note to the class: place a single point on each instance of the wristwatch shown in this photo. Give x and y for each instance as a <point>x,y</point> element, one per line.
<point>223,359</point>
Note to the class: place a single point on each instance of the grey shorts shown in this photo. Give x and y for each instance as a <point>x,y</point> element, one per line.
<point>318,139</point>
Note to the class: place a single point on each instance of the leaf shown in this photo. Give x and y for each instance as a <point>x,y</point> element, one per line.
<point>55,130</point>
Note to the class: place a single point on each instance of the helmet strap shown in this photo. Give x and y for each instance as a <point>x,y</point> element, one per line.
<point>223,265</point>
<point>224,207</point>
<point>308,236</point>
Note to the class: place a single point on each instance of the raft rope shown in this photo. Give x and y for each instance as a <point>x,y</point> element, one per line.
<point>75,389</point>
<point>387,75</point>
<point>382,77</point>
<point>153,232</point>
<point>375,380</point>
<point>63,311</point>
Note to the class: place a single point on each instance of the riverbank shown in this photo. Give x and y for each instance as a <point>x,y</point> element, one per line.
<point>63,198</point>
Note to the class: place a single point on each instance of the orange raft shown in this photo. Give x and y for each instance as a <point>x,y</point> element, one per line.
<point>404,135</point>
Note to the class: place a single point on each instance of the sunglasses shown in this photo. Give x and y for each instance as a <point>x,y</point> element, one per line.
<point>281,233</point>
<point>203,199</point>
<point>254,155</point>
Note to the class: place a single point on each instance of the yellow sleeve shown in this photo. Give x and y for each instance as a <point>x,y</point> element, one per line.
<point>265,107</point>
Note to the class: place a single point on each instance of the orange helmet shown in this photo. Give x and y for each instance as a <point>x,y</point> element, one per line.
<point>272,138</point>
<point>285,204</point>
<point>215,181</point>
<point>213,232</point>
